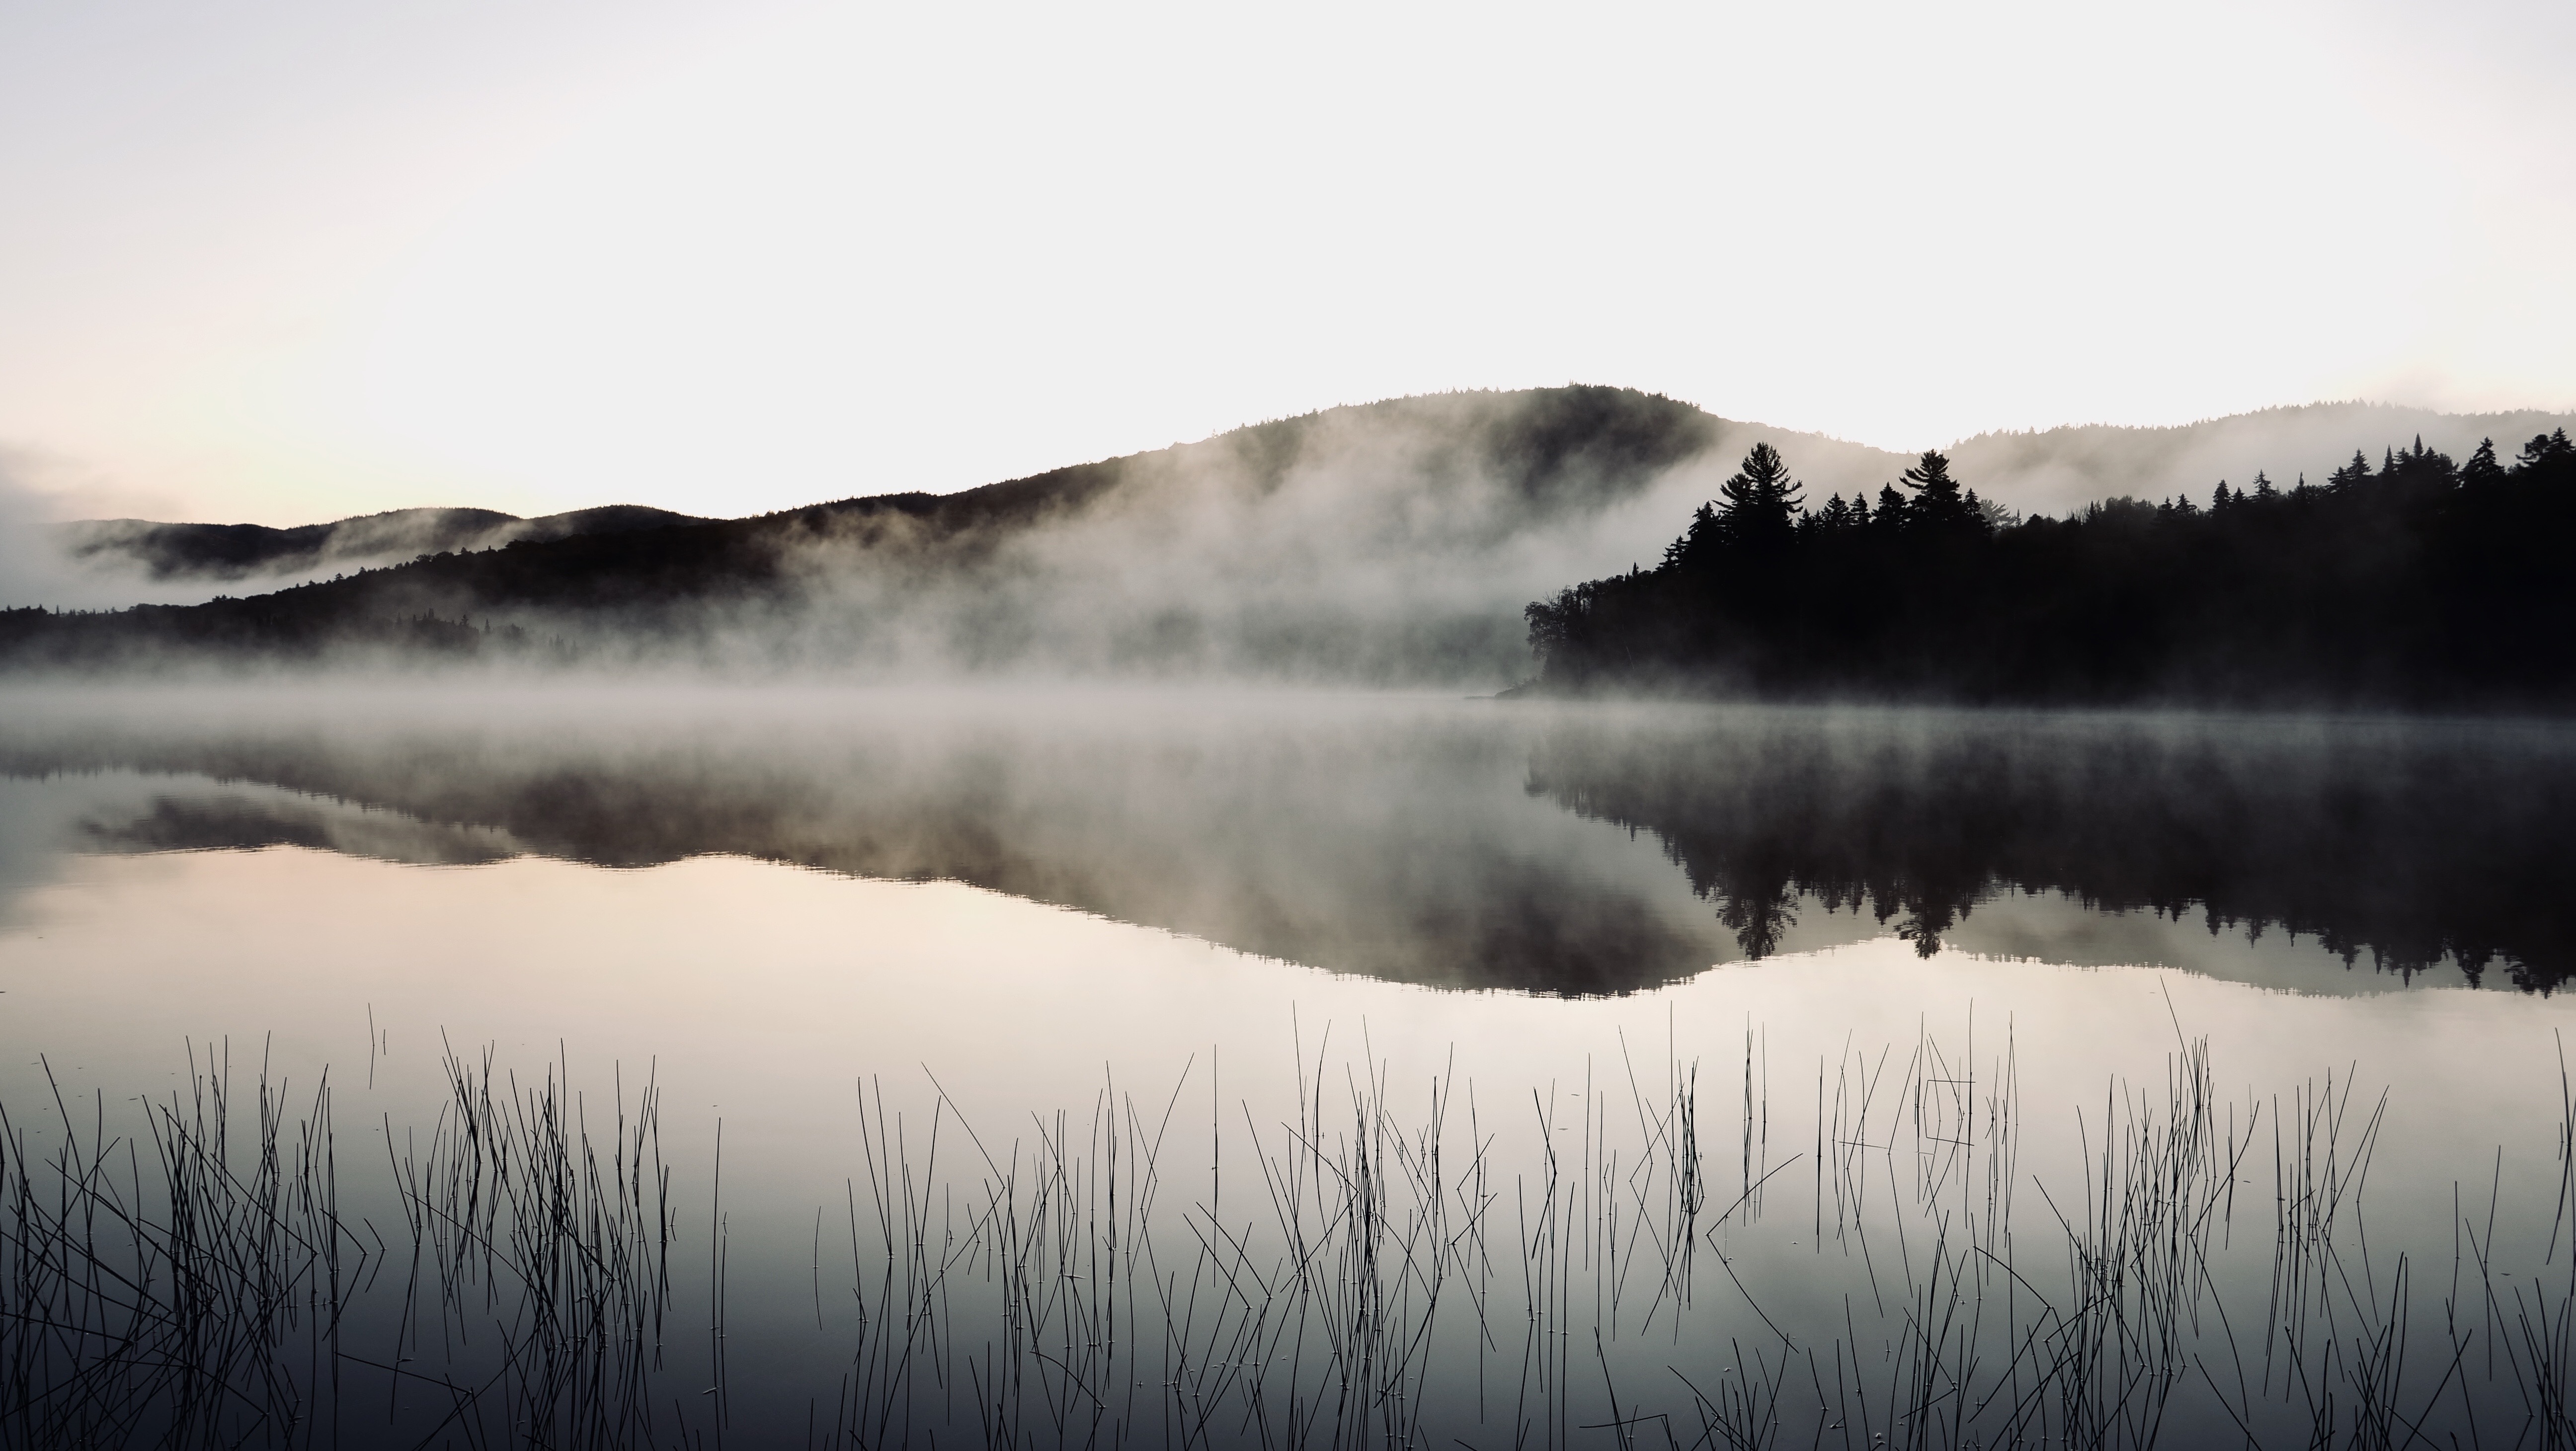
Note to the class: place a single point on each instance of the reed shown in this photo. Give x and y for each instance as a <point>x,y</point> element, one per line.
<point>1390,1262</point>
<point>180,1289</point>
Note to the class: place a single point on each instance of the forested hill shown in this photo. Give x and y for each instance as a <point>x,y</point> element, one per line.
<point>1387,541</point>
<point>630,583</point>
<point>230,552</point>
<point>2416,583</point>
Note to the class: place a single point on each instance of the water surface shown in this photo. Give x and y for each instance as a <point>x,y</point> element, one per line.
<point>1915,970</point>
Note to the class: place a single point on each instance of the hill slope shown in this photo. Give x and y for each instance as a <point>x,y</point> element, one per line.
<point>1391,541</point>
<point>228,553</point>
<point>2059,470</point>
<point>1387,542</point>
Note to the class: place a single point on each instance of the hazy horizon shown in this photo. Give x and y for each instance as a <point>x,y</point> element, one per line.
<point>299,263</point>
<point>2454,425</point>
<point>1365,474</point>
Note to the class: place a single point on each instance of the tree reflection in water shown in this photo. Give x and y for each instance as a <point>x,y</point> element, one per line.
<point>2411,842</point>
<point>1387,839</point>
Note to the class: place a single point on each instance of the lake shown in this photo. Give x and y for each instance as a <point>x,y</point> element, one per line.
<point>412,1065</point>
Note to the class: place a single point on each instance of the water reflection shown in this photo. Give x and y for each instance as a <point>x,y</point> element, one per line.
<point>2416,845</point>
<point>1457,844</point>
<point>192,885</point>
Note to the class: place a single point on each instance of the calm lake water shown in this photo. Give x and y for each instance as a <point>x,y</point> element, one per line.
<point>1181,1068</point>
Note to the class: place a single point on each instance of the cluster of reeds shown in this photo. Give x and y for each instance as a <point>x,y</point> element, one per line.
<point>200,1286</point>
<point>1387,1285</point>
<point>1302,1316</point>
<point>182,1289</point>
<point>1385,1263</point>
<point>540,1274</point>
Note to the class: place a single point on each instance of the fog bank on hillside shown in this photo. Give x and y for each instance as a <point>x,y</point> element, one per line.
<point>2059,470</point>
<point>1387,544</point>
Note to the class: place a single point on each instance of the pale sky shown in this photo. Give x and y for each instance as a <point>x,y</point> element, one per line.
<point>289,261</point>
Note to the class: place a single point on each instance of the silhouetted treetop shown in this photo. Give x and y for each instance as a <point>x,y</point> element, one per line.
<point>1938,502</point>
<point>1758,506</point>
<point>2418,582</point>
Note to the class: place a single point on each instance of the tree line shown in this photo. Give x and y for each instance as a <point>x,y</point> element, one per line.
<point>2418,583</point>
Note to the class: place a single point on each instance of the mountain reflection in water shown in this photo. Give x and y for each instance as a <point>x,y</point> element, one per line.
<point>1455,844</point>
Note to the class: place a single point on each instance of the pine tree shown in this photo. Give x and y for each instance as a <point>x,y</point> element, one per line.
<point>2545,449</point>
<point>1758,506</point>
<point>2482,467</point>
<point>1892,512</point>
<point>1697,547</point>
<point>1990,515</point>
<point>1938,503</point>
<point>1834,518</point>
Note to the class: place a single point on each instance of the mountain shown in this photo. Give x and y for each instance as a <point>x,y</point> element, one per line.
<point>1391,542</point>
<point>2059,470</point>
<point>232,552</point>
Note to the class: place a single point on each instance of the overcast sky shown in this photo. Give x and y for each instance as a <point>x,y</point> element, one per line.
<point>289,261</point>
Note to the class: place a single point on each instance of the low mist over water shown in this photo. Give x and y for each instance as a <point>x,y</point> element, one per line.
<point>1549,848</point>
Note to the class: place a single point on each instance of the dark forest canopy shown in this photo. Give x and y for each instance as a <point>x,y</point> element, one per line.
<point>244,551</point>
<point>2417,583</point>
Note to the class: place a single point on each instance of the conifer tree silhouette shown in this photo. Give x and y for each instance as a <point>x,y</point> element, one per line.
<point>2413,583</point>
<point>1758,506</point>
<point>1893,511</point>
<point>1938,503</point>
<point>2482,467</point>
<point>2547,450</point>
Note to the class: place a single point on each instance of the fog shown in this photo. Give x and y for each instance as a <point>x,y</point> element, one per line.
<point>1386,546</point>
<point>35,567</point>
<point>2059,470</point>
<point>1390,544</point>
<point>130,561</point>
